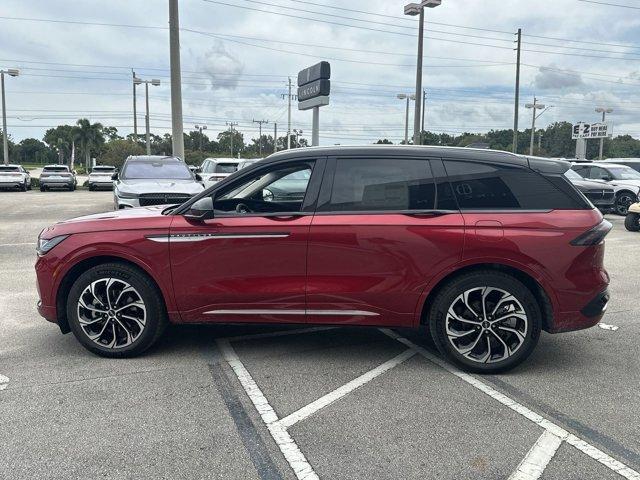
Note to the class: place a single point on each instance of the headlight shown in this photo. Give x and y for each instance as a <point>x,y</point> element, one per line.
<point>127,194</point>
<point>44,245</point>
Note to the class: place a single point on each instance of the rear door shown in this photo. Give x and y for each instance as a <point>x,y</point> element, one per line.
<point>379,236</point>
<point>248,263</point>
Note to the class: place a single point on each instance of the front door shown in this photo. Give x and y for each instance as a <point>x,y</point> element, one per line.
<point>248,263</point>
<point>377,240</point>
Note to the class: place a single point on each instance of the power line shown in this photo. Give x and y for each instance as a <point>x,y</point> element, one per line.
<point>610,4</point>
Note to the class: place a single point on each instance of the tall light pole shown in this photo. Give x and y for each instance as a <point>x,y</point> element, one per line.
<point>260,122</point>
<point>407,96</point>
<point>231,125</point>
<point>289,96</point>
<point>177,138</point>
<point>154,82</point>
<point>12,72</point>
<point>414,9</point>
<point>604,112</point>
<point>135,107</point>
<point>200,128</point>
<point>535,106</point>
<point>297,133</point>
<point>424,107</point>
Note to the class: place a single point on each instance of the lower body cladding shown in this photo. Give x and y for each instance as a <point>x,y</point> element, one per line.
<point>48,184</point>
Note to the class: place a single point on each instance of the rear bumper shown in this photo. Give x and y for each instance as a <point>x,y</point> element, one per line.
<point>12,184</point>
<point>590,315</point>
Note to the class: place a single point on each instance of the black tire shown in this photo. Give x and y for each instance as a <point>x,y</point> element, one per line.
<point>449,295</point>
<point>91,188</point>
<point>623,201</point>
<point>155,316</point>
<point>42,189</point>
<point>29,186</point>
<point>72,188</point>
<point>632,222</point>
<point>23,187</point>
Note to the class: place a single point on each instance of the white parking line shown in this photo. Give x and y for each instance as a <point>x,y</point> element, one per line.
<point>340,392</point>
<point>3,382</point>
<point>296,459</point>
<point>605,326</point>
<point>533,465</point>
<point>593,452</point>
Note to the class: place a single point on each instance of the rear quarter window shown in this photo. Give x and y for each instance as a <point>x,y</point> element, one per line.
<point>482,186</point>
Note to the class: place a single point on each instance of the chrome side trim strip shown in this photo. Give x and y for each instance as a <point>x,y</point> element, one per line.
<point>275,311</point>
<point>200,237</point>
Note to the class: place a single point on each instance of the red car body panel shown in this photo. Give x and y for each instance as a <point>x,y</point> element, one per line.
<point>257,264</point>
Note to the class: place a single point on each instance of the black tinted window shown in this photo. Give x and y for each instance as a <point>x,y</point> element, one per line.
<point>490,186</point>
<point>381,185</point>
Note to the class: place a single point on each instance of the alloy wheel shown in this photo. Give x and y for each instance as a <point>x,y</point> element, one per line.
<point>486,324</point>
<point>111,313</point>
<point>623,202</point>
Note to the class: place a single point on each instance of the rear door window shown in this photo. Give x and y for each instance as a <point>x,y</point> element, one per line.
<point>381,184</point>
<point>481,186</point>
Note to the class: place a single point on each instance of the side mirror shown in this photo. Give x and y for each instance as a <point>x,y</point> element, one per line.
<point>114,177</point>
<point>200,210</point>
<point>74,172</point>
<point>198,170</point>
<point>198,177</point>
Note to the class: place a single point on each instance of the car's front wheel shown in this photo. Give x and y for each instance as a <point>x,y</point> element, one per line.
<point>116,310</point>
<point>485,321</point>
<point>632,222</point>
<point>623,201</point>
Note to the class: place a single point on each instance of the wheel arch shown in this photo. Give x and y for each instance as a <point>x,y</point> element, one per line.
<point>82,266</point>
<point>538,291</point>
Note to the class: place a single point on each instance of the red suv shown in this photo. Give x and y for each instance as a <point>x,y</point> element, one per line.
<point>484,248</point>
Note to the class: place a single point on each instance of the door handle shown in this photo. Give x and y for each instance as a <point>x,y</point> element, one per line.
<point>429,213</point>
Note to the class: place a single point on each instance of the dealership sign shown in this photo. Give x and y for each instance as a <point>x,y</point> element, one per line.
<point>314,86</point>
<point>591,130</point>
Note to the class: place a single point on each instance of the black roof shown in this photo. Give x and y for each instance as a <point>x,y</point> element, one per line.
<point>547,165</point>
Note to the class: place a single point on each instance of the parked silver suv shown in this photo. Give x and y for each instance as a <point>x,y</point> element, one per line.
<point>57,176</point>
<point>15,176</point>
<point>154,180</point>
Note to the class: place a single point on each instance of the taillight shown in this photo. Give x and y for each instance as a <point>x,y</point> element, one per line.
<point>594,236</point>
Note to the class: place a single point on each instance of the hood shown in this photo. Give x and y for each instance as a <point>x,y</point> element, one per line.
<point>624,183</point>
<point>141,218</point>
<point>590,185</point>
<point>160,186</point>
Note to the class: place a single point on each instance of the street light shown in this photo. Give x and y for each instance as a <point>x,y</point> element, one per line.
<point>414,9</point>
<point>407,96</point>
<point>535,106</point>
<point>200,128</point>
<point>12,72</point>
<point>604,112</point>
<point>155,82</point>
<point>297,132</point>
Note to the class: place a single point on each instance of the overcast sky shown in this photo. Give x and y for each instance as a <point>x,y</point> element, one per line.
<point>235,63</point>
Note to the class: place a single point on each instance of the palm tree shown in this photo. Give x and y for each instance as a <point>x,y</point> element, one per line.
<point>61,146</point>
<point>89,136</point>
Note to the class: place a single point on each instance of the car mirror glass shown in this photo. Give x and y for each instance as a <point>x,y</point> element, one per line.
<point>114,176</point>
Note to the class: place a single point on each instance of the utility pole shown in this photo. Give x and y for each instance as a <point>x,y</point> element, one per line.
<point>604,112</point>
<point>539,141</point>
<point>517,96</point>
<point>535,106</point>
<point>12,72</point>
<point>155,82</point>
<point>135,114</point>
<point>275,137</point>
<point>231,125</point>
<point>424,105</point>
<point>407,96</point>
<point>177,139</point>
<point>260,122</point>
<point>289,96</point>
<point>298,133</point>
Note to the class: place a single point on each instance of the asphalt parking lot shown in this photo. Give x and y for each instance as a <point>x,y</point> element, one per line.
<point>234,402</point>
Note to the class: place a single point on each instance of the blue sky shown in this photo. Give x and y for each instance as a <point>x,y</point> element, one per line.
<point>236,61</point>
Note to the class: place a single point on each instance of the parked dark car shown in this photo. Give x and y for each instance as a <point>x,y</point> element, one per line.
<point>602,196</point>
<point>484,248</point>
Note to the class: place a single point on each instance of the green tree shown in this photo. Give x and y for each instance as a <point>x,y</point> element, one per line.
<point>111,133</point>
<point>59,140</point>
<point>384,141</point>
<point>90,137</point>
<point>224,142</point>
<point>32,150</point>
<point>116,152</point>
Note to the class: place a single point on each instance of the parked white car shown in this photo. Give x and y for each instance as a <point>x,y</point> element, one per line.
<point>216,169</point>
<point>15,176</point>
<point>58,176</point>
<point>624,180</point>
<point>629,162</point>
<point>100,177</point>
<point>154,180</point>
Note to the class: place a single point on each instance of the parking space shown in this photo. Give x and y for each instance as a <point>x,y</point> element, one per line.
<point>278,402</point>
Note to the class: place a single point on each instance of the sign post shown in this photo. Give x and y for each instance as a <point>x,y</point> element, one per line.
<point>314,87</point>
<point>583,131</point>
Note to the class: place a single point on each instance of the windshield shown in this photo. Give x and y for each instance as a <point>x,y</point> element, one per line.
<point>102,169</point>
<point>55,169</point>
<point>213,167</point>
<point>624,173</point>
<point>156,169</point>
<point>571,175</point>
<point>9,169</point>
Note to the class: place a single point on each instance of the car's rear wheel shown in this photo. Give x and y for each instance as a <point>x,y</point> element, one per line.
<point>632,222</point>
<point>116,310</point>
<point>42,188</point>
<point>485,321</point>
<point>623,201</point>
